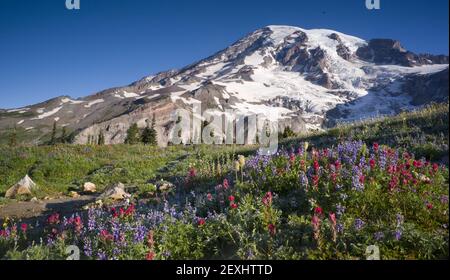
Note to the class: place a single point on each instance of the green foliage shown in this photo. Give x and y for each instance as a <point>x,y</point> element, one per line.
<point>101,138</point>
<point>149,134</point>
<point>64,135</point>
<point>53,137</point>
<point>288,133</point>
<point>58,168</point>
<point>13,138</point>
<point>132,135</point>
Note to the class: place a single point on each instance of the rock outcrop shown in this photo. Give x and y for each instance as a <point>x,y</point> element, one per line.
<point>24,187</point>
<point>115,192</point>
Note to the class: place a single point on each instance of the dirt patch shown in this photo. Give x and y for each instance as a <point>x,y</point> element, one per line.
<point>32,209</point>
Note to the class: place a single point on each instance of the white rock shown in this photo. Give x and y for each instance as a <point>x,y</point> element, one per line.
<point>115,192</point>
<point>89,187</point>
<point>23,187</point>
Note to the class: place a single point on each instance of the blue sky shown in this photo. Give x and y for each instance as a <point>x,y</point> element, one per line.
<point>47,50</point>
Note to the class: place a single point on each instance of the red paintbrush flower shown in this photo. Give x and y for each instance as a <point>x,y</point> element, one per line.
<point>318,210</point>
<point>435,167</point>
<point>333,218</point>
<point>337,164</point>
<point>150,256</point>
<point>316,165</point>
<point>376,147</point>
<point>272,229</point>
<point>267,199</point>
<point>24,227</point>
<point>53,219</point>
<point>315,179</point>
<point>106,236</point>
<point>225,184</point>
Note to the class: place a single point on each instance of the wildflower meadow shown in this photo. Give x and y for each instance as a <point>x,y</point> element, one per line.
<point>307,201</point>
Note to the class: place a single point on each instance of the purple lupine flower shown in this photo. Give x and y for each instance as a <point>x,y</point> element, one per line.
<point>383,160</point>
<point>398,234</point>
<point>359,224</point>
<point>65,222</point>
<point>87,247</point>
<point>50,241</point>
<point>379,236</point>
<point>362,162</point>
<point>303,179</point>
<point>140,233</point>
<point>300,151</point>
<point>91,219</point>
<point>340,210</point>
<point>101,255</point>
<point>115,228</point>
<point>340,228</point>
<point>116,252</point>
<point>357,184</point>
<point>250,254</point>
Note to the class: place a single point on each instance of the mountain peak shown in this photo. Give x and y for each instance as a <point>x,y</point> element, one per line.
<point>304,78</point>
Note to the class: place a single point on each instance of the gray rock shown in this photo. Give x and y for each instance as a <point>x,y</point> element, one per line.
<point>24,187</point>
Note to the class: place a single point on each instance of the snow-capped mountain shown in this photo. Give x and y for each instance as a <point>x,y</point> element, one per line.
<point>308,79</point>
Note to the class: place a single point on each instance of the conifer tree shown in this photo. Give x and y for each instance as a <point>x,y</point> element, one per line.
<point>149,134</point>
<point>132,135</point>
<point>64,135</point>
<point>13,137</point>
<point>53,137</point>
<point>101,138</point>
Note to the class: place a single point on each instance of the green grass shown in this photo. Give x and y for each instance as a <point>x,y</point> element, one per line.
<point>58,168</point>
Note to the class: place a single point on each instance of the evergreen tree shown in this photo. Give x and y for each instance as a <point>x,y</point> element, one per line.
<point>101,138</point>
<point>13,137</point>
<point>53,138</point>
<point>288,132</point>
<point>64,135</point>
<point>149,134</point>
<point>132,135</point>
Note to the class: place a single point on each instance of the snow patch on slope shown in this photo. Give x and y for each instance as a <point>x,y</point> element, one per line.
<point>91,103</point>
<point>48,114</point>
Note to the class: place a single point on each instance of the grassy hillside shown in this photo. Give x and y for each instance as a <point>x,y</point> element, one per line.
<point>423,132</point>
<point>58,168</point>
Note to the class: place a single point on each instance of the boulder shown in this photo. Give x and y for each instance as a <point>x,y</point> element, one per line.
<point>115,192</point>
<point>164,186</point>
<point>24,187</point>
<point>89,187</point>
<point>74,194</point>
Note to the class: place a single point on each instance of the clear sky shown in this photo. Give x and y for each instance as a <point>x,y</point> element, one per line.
<point>47,50</point>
